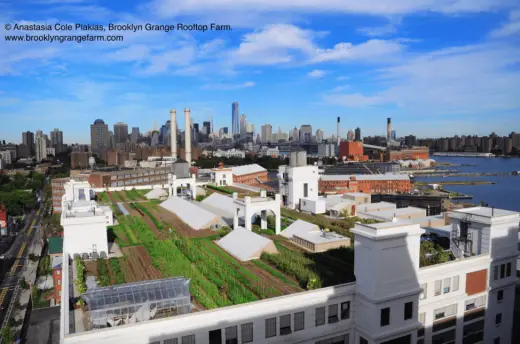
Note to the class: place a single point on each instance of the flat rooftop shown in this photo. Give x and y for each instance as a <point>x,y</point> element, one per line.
<point>387,225</point>
<point>486,212</point>
<point>318,237</point>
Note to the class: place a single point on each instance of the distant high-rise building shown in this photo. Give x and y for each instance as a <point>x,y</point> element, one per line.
<point>242,125</point>
<point>350,135</point>
<point>358,134</point>
<point>28,140</point>
<point>135,134</point>
<point>111,140</point>
<point>225,130</point>
<point>411,140</point>
<point>206,127</point>
<point>319,135</point>
<point>294,135</point>
<point>41,146</point>
<point>250,128</point>
<point>306,133</point>
<point>57,140</point>
<point>99,137</point>
<point>267,132</point>
<point>196,127</point>
<point>393,135</point>
<point>235,128</point>
<point>120,132</point>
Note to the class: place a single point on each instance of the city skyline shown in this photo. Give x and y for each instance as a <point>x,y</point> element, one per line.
<point>420,67</point>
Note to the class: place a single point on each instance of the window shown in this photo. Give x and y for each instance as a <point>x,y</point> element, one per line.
<point>285,324</point>
<point>502,271</point>
<point>495,272</point>
<point>498,319</point>
<point>455,285</point>
<point>270,327</point>
<point>333,314</point>
<point>422,296</point>
<point>58,272</point>
<point>385,317</point>
<point>305,190</point>
<point>59,282</point>
<point>500,296</point>
<point>438,287</point>
<point>231,335</point>
<point>320,316</point>
<point>247,332</point>
<point>496,340</point>
<point>447,282</point>
<point>215,337</point>
<point>345,310</point>
<point>299,321</point>
<point>363,340</point>
<point>508,269</point>
<point>408,310</point>
<point>476,302</point>
<point>422,318</point>
<point>170,341</point>
<point>188,339</point>
<point>444,312</point>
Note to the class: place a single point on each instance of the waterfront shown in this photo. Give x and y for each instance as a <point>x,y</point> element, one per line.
<point>504,194</point>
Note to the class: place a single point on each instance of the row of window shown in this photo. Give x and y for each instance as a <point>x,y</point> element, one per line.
<point>502,271</point>
<point>385,314</point>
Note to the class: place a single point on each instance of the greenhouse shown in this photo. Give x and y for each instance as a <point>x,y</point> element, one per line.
<point>135,302</point>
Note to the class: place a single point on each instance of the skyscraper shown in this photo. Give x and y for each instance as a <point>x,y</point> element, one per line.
<point>135,134</point>
<point>393,135</point>
<point>267,132</point>
<point>235,129</point>
<point>319,135</point>
<point>41,145</point>
<point>57,140</point>
<point>99,138</point>
<point>306,133</point>
<point>358,134</point>
<point>294,135</point>
<point>350,135</point>
<point>206,127</point>
<point>242,125</point>
<point>120,132</point>
<point>28,141</point>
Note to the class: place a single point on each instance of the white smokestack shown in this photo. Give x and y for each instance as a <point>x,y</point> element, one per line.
<point>173,133</point>
<point>187,135</point>
<point>338,137</point>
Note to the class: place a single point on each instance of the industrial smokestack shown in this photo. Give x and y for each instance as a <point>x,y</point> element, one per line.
<point>388,128</point>
<point>173,133</point>
<point>338,138</point>
<point>187,135</point>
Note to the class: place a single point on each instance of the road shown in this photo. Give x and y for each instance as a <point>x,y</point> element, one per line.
<point>19,252</point>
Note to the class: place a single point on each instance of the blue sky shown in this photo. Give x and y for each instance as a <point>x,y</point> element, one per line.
<point>437,67</point>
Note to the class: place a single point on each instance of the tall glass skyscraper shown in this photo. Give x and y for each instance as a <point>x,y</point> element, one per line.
<point>235,127</point>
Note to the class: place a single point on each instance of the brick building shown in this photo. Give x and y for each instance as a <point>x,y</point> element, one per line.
<point>373,183</point>
<point>352,150</point>
<point>58,189</point>
<point>249,174</point>
<point>56,255</point>
<point>79,159</point>
<point>145,176</point>
<point>413,153</point>
<point>115,158</point>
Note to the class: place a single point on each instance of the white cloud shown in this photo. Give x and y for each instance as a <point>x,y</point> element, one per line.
<point>371,50</point>
<point>374,31</point>
<point>317,73</point>
<point>509,28</point>
<point>137,52</point>
<point>226,87</point>
<point>470,79</point>
<point>170,8</point>
<point>162,62</point>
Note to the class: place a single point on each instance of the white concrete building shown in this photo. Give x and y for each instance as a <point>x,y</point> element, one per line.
<point>393,301</point>
<point>84,222</point>
<point>298,184</point>
<point>272,152</point>
<point>232,153</point>
<point>6,156</point>
<point>222,176</point>
<point>250,206</point>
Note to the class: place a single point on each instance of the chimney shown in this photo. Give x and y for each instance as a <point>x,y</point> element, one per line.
<point>338,138</point>
<point>187,135</point>
<point>388,128</point>
<point>173,133</point>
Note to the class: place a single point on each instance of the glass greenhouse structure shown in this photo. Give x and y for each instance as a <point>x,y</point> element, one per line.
<point>135,302</point>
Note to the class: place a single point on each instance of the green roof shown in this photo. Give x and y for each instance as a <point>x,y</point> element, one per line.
<point>55,245</point>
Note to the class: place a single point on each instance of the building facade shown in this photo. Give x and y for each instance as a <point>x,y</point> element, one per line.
<point>40,146</point>
<point>58,190</point>
<point>352,151</point>
<point>144,176</point>
<point>413,153</point>
<point>249,174</point>
<point>99,136</point>
<point>370,183</point>
<point>235,126</point>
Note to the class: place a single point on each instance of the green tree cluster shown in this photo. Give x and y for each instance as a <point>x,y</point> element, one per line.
<point>432,254</point>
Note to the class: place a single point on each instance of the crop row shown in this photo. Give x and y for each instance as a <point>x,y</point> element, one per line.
<point>116,270</point>
<point>102,196</point>
<point>149,214</point>
<point>103,276</point>
<point>296,265</point>
<point>133,195</point>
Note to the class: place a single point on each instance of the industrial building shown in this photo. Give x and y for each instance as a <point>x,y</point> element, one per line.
<point>249,174</point>
<point>395,298</point>
<point>312,238</point>
<point>374,183</point>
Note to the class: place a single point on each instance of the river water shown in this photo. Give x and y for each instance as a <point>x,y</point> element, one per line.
<point>505,194</point>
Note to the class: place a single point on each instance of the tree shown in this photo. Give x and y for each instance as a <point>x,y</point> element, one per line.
<point>432,254</point>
